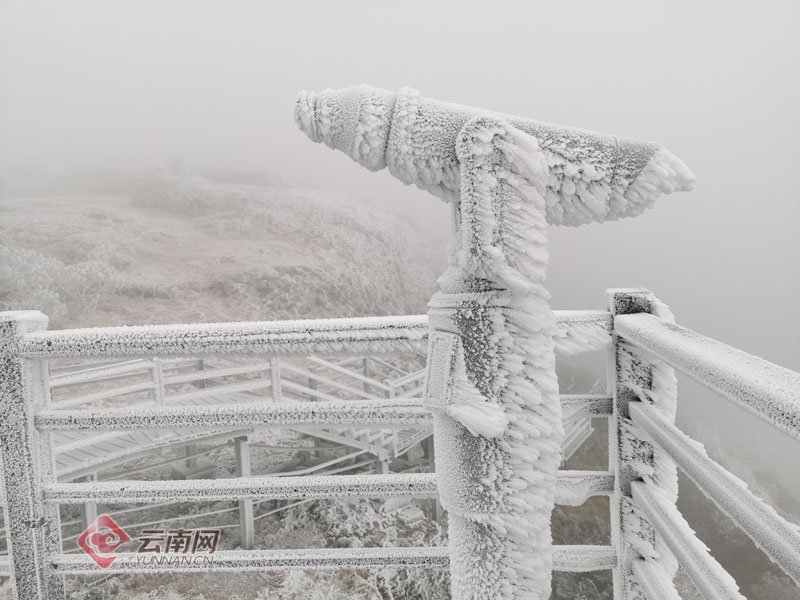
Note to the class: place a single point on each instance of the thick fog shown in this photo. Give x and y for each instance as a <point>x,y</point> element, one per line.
<point>97,86</point>
<point>123,86</point>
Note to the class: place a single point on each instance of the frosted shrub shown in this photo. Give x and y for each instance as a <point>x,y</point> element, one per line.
<point>170,189</point>
<point>90,282</point>
<point>30,280</point>
<point>344,258</point>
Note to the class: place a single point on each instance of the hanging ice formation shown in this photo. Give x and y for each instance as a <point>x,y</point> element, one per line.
<point>491,366</point>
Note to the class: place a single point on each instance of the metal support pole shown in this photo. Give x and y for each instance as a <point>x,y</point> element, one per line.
<point>34,528</point>
<point>631,378</point>
<point>382,466</point>
<point>246,521</point>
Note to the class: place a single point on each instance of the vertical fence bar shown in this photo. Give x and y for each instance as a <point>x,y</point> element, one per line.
<point>631,458</point>
<point>366,369</point>
<point>34,528</point>
<point>275,377</point>
<point>200,365</point>
<point>157,377</point>
<point>430,453</point>
<point>246,522</point>
<point>89,509</point>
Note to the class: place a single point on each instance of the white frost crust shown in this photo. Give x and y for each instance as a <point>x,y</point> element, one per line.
<point>313,336</point>
<point>593,190</point>
<point>448,389</point>
<point>267,560</point>
<point>396,412</point>
<point>305,115</point>
<point>368,485</point>
<point>582,559</point>
<point>372,130</point>
<point>591,176</point>
<point>566,558</point>
<point>764,389</point>
<point>653,581</point>
<point>354,120</point>
<point>579,331</point>
<point>679,540</point>
<point>499,493</point>
<point>777,538</point>
<point>573,488</point>
<point>657,384</point>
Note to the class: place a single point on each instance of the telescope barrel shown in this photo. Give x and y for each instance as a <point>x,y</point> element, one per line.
<point>592,176</point>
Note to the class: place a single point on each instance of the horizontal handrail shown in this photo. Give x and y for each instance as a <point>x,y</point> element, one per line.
<point>575,407</point>
<point>708,576</point>
<point>103,373</point>
<point>366,335</point>
<point>248,385</point>
<point>314,336</point>
<point>105,394</point>
<point>336,385</point>
<point>388,413</point>
<point>777,538</point>
<point>215,373</point>
<point>573,488</point>
<point>385,413</point>
<point>761,387</point>
<point>435,557</point>
<point>409,378</point>
<point>583,559</point>
<point>565,558</point>
<point>349,372</point>
<point>421,485</point>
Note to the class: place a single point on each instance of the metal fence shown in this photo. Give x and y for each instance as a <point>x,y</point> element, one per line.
<point>645,446</point>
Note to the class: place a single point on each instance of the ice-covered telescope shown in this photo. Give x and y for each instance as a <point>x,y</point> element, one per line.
<point>592,176</point>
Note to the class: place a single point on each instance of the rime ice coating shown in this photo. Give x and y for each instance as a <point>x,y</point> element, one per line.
<point>591,176</point>
<point>499,492</point>
<point>506,178</point>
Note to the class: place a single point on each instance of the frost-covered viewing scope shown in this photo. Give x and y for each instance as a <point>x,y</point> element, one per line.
<point>592,176</point>
<point>491,380</point>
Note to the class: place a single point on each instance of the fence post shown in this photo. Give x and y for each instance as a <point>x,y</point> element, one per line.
<point>34,528</point>
<point>430,454</point>
<point>246,522</point>
<point>365,366</point>
<point>157,377</point>
<point>89,509</point>
<point>201,366</point>
<point>275,378</point>
<point>631,378</point>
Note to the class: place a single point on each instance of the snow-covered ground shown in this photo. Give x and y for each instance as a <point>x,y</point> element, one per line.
<point>182,248</point>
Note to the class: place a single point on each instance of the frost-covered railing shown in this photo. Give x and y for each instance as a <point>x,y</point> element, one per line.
<point>651,536</point>
<point>207,380</point>
<point>37,561</point>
